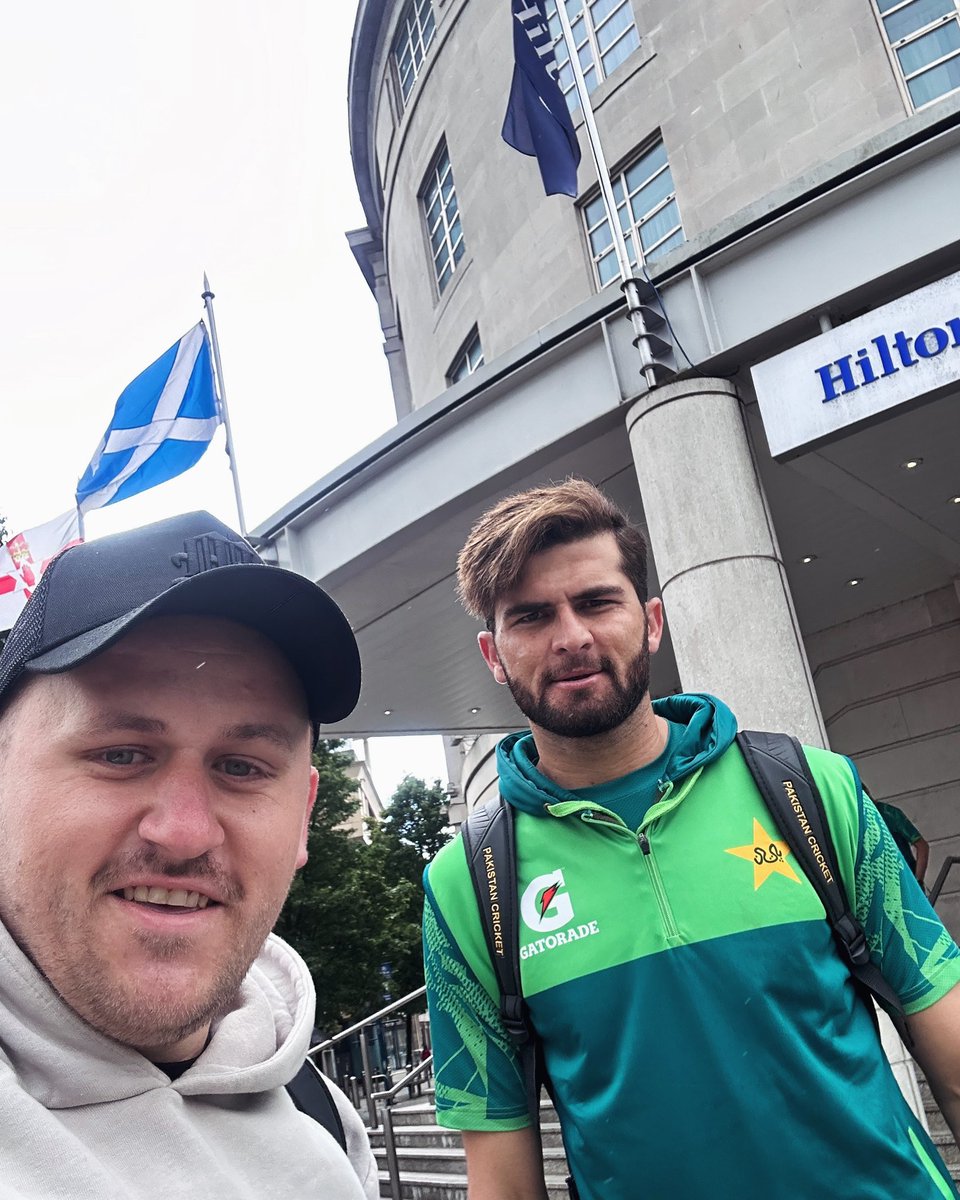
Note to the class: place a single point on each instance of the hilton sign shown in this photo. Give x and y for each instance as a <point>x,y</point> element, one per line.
<point>852,373</point>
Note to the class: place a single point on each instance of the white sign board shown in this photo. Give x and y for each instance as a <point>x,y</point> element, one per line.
<point>892,355</point>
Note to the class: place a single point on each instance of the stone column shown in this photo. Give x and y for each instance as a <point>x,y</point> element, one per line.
<point>724,588</point>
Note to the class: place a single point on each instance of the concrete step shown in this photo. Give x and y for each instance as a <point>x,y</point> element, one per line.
<point>436,1135</point>
<point>447,1160</point>
<point>423,1185</point>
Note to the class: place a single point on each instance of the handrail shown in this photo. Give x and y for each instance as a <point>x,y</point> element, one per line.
<point>377,1016</point>
<point>368,1077</point>
<point>410,1076</point>
<point>950,861</point>
<point>389,1141</point>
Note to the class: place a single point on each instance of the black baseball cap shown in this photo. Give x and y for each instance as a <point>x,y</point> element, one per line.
<point>92,594</point>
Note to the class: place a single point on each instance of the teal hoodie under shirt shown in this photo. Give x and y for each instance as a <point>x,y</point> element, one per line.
<point>703,1037</point>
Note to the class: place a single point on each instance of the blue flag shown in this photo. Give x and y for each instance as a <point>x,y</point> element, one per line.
<point>161,425</point>
<point>538,121</point>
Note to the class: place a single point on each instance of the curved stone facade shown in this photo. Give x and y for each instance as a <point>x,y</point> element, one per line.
<point>746,97</point>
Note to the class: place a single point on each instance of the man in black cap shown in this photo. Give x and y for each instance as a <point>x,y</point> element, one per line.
<point>159,699</point>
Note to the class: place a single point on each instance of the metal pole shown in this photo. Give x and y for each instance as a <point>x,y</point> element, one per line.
<point>628,282</point>
<point>368,1078</point>
<point>224,411</point>
<point>390,1146</point>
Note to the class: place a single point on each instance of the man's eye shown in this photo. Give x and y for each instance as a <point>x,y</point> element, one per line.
<point>121,757</point>
<point>238,768</point>
<point>529,618</point>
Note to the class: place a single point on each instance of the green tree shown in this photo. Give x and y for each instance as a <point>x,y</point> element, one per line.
<point>417,817</point>
<point>327,916</point>
<point>355,908</point>
<point>413,829</point>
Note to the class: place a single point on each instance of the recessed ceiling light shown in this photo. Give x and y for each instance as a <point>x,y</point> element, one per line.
<point>854,582</point>
<point>474,711</point>
<point>911,464</point>
<point>954,500</point>
<point>388,712</point>
<point>808,558</point>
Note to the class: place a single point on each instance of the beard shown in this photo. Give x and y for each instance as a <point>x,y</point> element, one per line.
<point>176,991</point>
<point>587,716</point>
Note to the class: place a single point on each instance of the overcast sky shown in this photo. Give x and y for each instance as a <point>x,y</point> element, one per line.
<point>141,146</point>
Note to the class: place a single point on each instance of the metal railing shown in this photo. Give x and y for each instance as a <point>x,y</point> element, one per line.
<point>950,861</point>
<point>389,1141</point>
<point>324,1050</point>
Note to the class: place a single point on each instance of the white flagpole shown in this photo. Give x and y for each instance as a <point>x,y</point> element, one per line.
<point>628,281</point>
<point>218,370</point>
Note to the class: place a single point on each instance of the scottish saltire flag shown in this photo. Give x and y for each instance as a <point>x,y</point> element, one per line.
<point>161,425</point>
<point>25,557</point>
<point>538,121</point>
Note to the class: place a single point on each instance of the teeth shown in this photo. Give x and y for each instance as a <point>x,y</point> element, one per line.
<point>176,897</point>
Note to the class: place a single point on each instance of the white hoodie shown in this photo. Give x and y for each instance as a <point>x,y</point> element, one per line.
<point>85,1118</point>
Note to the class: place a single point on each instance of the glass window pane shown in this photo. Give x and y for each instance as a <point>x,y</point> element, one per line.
<point>644,167</point>
<point>675,239</point>
<point>601,9</point>
<point>659,226</point>
<point>607,268</point>
<point>936,82</point>
<point>609,31</point>
<point>655,192</point>
<point>593,211</point>
<point>631,252</point>
<point>916,55</point>
<point>620,52</point>
<point>921,12</point>
<point>601,238</point>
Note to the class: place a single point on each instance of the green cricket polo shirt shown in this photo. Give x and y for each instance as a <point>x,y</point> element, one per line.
<point>703,1037</point>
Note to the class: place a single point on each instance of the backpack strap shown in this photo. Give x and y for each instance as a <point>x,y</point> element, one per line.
<point>311,1094</point>
<point>490,845</point>
<point>783,776</point>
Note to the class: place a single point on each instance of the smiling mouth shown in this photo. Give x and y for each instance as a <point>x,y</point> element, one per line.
<point>165,897</point>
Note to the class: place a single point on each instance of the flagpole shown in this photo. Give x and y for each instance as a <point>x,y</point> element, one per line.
<point>231,453</point>
<point>628,281</point>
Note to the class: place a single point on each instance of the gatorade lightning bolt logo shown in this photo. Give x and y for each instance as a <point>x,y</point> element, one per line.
<point>547,897</point>
<point>545,905</point>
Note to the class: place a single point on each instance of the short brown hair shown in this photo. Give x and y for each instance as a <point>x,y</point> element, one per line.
<point>503,540</point>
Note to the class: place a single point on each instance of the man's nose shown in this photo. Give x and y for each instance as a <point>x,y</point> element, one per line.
<point>181,816</point>
<point>571,631</point>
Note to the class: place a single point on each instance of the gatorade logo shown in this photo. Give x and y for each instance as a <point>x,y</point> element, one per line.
<point>544,906</point>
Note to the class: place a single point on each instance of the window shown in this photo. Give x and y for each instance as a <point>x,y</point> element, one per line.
<point>442,214</point>
<point>647,208</point>
<point>604,33</point>
<point>413,37</point>
<point>924,36</point>
<point>469,358</point>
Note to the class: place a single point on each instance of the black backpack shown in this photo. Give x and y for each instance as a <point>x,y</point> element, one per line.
<point>309,1092</point>
<point>782,775</point>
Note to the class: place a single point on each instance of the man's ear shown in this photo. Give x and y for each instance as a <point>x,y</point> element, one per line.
<point>311,800</point>
<point>488,648</point>
<point>654,611</point>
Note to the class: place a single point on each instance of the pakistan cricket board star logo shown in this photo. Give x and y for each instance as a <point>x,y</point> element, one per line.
<point>768,855</point>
